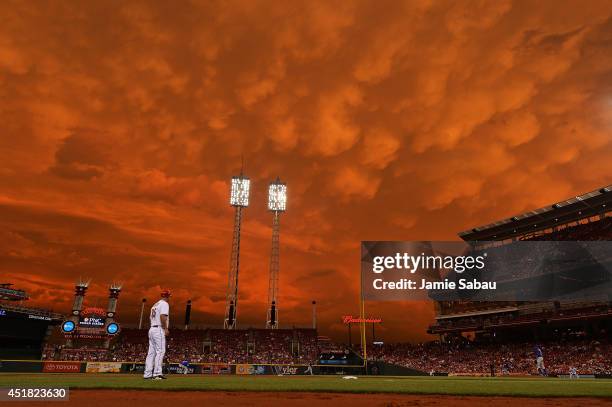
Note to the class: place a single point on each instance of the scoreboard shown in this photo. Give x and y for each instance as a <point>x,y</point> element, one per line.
<point>92,323</point>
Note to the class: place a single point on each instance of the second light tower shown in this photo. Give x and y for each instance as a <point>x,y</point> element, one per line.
<point>277,203</point>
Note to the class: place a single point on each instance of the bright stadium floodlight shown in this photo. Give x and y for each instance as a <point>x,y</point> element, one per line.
<point>239,199</point>
<point>277,196</point>
<point>240,191</point>
<point>277,203</point>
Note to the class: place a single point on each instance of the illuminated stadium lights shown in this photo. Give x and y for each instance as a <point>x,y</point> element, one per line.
<point>239,195</point>
<point>277,196</point>
<point>239,199</point>
<point>277,202</point>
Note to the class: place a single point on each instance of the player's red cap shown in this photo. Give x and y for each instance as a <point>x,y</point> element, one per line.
<point>165,293</point>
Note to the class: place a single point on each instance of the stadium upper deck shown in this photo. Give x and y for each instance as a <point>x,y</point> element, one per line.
<point>584,217</point>
<point>23,329</point>
<point>592,204</point>
<point>11,294</point>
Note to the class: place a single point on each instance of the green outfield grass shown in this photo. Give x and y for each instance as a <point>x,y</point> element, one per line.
<point>532,387</point>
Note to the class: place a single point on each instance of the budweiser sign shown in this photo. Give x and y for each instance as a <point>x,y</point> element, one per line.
<point>349,319</point>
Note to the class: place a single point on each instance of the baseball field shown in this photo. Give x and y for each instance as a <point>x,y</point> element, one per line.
<point>127,389</point>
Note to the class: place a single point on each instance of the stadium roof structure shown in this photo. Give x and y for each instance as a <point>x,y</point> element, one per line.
<point>10,294</point>
<point>47,315</point>
<point>579,207</point>
<point>477,313</point>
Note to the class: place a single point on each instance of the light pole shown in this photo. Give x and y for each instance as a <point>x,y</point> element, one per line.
<point>111,310</point>
<point>80,289</point>
<point>314,314</point>
<point>187,314</point>
<point>277,203</point>
<point>144,300</point>
<point>239,198</point>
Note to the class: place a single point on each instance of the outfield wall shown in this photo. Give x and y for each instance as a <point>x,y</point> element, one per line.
<point>28,366</point>
<point>382,369</point>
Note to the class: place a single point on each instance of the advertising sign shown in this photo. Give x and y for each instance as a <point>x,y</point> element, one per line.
<point>132,367</point>
<point>93,321</point>
<point>349,319</point>
<point>291,370</point>
<point>92,318</point>
<point>61,367</point>
<point>258,369</point>
<point>221,369</point>
<point>103,367</point>
<point>177,368</point>
<point>214,369</point>
<point>16,366</point>
<point>243,369</point>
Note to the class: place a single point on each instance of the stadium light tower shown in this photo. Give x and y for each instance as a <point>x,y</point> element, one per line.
<point>111,310</point>
<point>277,203</point>
<point>80,289</point>
<point>239,198</point>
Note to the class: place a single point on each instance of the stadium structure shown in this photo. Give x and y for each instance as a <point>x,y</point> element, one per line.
<point>504,333</point>
<point>23,329</point>
<point>277,204</point>
<point>239,199</point>
<point>582,218</point>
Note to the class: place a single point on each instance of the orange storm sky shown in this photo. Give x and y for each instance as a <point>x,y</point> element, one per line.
<point>122,122</point>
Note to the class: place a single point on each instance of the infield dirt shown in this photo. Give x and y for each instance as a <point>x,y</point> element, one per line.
<point>127,398</point>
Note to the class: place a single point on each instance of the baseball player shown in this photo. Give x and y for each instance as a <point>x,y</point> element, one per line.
<point>540,361</point>
<point>573,373</point>
<point>160,321</point>
<point>184,366</point>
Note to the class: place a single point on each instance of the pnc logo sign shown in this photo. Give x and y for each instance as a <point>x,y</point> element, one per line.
<point>92,321</point>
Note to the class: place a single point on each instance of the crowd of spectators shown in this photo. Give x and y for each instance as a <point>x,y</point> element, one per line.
<point>85,353</point>
<point>301,346</point>
<point>260,346</point>
<point>284,346</point>
<point>464,357</point>
<point>484,320</point>
<point>591,230</point>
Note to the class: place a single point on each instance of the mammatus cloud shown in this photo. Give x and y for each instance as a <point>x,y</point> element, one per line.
<point>122,124</point>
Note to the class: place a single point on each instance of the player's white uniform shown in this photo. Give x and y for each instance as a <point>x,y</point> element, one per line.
<point>573,373</point>
<point>157,340</point>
